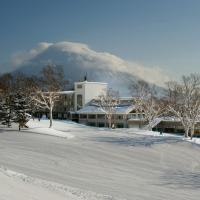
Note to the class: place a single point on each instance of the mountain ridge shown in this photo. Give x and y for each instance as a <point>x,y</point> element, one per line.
<point>78,59</point>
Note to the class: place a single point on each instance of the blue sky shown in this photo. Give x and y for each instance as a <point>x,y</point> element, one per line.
<point>158,33</point>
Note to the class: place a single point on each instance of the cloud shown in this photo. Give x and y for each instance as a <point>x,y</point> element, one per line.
<point>20,58</point>
<point>89,58</point>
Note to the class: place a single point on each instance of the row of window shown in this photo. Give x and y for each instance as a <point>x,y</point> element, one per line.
<point>120,117</point>
<point>118,125</point>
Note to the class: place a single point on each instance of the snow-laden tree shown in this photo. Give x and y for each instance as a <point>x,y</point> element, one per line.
<point>108,101</point>
<point>147,103</point>
<point>6,83</point>
<point>10,87</point>
<point>21,109</point>
<point>6,112</point>
<point>184,101</point>
<point>151,108</point>
<point>25,85</point>
<point>46,94</point>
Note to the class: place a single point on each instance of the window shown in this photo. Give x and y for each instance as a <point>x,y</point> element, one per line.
<point>119,117</point>
<point>101,116</point>
<point>79,101</point>
<point>132,116</point>
<point>79,86</point>
<point>92,116</point>
<point>83,116</point>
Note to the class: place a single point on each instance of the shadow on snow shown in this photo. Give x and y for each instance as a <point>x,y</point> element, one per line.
<point>146,141</point>
<point>181,179</point>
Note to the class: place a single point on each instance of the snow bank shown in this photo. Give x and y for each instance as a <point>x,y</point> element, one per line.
<point>51,131</point>
<point>131,131</point>
<point>155,133</point>
<point>41,127</point>
<point>23,187</point>
<point>194,140</point>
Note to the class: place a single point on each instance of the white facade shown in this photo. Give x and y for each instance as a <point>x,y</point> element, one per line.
<point>86,91</point>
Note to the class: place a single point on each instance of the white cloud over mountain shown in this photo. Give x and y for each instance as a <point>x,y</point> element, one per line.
<point>21,58</point>
<point>89,58</point>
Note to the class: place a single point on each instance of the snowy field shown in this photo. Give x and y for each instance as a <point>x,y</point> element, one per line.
<point>75,162</point>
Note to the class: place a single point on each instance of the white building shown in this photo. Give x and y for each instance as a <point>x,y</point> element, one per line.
<point>79,105</point>
<point>85,91</point>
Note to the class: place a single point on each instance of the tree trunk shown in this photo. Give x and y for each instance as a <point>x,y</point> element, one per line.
<point>186,132</point>
<point>140,121</point>
<point>51,117</point>
<point>109,121</point>
<point>150,128</point>
<point>192,133</point>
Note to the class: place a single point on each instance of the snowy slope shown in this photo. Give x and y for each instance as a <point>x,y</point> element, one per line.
<point>22,187</point>
<point>126,164</point>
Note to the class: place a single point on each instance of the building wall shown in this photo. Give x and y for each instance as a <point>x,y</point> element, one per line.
<point>93,90</point>
<point>136,123</point>
<point>89,91</point>
<point>79,90</point>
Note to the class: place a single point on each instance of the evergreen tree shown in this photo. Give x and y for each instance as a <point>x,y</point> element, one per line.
<point>6,114</point>
<point>21,109</point>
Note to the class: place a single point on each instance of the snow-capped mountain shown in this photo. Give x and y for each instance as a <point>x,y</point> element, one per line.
<point>78,60</point>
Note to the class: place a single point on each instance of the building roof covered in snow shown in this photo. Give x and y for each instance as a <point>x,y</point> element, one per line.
<point>67,92</point>
<point>95,109</point>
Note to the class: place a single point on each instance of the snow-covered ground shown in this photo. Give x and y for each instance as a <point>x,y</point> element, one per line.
<point>43,128</point>
<point>96,164</point>
<point>18,186</point>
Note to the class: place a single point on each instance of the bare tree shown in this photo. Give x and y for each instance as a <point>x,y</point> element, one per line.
<point>184,101</point>
<point>108,102</point>
<point>147,102</point>
<point>47,93</point>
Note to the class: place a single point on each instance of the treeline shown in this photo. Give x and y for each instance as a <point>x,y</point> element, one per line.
<point>21,96</point>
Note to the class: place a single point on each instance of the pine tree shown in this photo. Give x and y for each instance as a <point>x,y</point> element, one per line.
<point>6,114</point>
<point>1,109</point>
<point>21,109</point>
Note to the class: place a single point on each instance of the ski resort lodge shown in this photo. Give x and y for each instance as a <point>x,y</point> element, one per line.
<point>79,105</point>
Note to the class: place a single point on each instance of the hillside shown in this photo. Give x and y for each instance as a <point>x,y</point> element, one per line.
<point>97,164</point>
